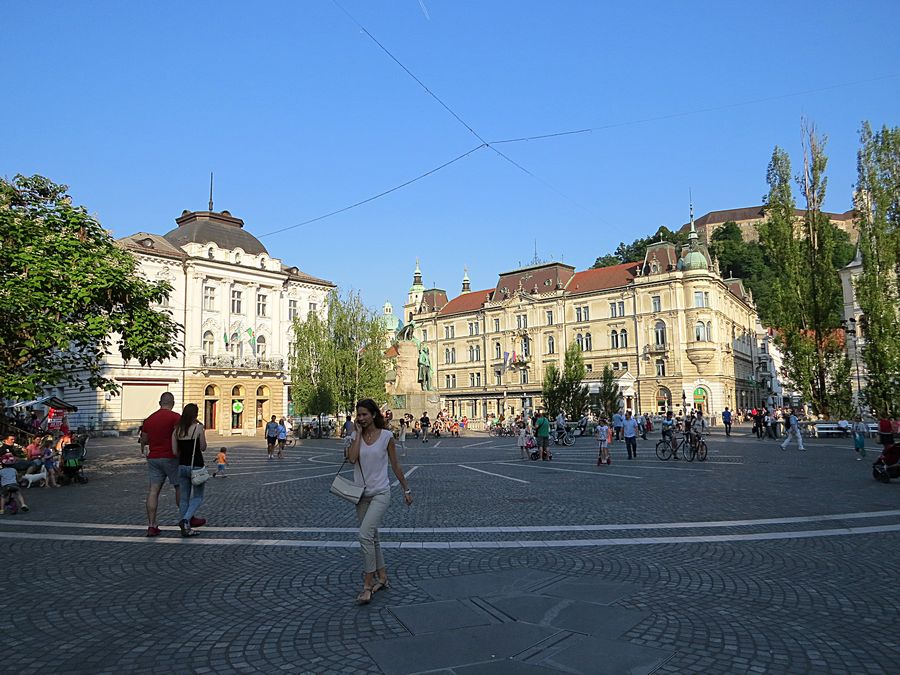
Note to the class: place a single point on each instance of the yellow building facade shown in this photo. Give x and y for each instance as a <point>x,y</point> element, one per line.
<point>676,334</point>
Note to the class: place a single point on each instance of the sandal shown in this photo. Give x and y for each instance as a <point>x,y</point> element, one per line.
<point>381,585</point>
<point>186,530</point>
<point>365,597</point>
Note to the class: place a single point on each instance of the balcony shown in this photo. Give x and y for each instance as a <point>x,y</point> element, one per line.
<point>229,362</point>
<point>656,348</point>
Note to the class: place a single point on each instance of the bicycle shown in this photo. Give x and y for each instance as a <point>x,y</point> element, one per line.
<point>667,447</point>
<point>696,449</point>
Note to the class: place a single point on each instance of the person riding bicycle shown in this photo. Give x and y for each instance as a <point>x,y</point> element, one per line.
<point>668,432</point>
<point>561,427</point>
<point>698,428</point>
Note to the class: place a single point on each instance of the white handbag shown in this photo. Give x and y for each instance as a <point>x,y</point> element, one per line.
<point>347,489</point>
<point>199,475</point>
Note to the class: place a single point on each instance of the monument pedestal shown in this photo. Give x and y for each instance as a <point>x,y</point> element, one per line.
<point>405,393</point>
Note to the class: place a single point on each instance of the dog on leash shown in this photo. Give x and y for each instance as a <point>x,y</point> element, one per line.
<point>29,479</point>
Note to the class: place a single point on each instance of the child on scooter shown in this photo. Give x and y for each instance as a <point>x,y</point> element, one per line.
<point>602,433</point>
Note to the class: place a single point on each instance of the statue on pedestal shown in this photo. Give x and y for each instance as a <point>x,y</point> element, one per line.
<point>424,368</point>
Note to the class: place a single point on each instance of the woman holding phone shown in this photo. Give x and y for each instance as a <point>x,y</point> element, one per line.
<point>371,448</point>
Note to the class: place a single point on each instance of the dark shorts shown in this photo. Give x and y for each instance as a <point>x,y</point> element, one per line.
<point>271,440</point>
<point>543,441</point>
<point>10,489</point>
<point>160,468</point>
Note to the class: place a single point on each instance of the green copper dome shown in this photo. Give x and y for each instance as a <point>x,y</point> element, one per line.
<point>695,260</point>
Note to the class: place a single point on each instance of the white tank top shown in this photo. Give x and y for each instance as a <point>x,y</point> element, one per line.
<point>374,461</point>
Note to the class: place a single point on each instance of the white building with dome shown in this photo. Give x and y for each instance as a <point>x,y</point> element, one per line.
<point>237,304</point>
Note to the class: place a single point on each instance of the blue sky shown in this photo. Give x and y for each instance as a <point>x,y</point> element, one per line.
<point>299,113</point>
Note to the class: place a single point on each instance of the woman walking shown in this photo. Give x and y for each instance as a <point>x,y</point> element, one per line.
<point>189,442</point>
<point>404,425</point>
<point>371,447</point>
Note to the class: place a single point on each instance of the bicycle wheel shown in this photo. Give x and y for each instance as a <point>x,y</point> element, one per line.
<point>664,450</point>
<point>688,451</point>
<point>702,451</point>
<point>569,438</point>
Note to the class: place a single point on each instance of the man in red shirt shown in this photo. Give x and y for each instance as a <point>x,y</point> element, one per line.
<point>156,433</point>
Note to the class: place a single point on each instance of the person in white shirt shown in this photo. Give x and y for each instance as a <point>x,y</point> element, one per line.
<point>792,431</point>
<point>370,450</point>
<point>630,431</point>
<point>560,425</point>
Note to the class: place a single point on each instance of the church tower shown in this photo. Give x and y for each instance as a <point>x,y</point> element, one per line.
<point>414,297</point>
<point>466,287</point>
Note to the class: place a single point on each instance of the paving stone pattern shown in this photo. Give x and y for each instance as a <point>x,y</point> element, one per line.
<point>572,576</point>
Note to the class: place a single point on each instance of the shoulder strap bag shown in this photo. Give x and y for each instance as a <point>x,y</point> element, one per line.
<point>346,489</point>
<point>199,475</point>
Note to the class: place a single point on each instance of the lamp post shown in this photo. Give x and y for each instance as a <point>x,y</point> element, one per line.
<point>850,330</point>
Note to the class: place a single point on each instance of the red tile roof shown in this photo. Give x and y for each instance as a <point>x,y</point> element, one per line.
<point>602,278</point>
<point>467,302</point>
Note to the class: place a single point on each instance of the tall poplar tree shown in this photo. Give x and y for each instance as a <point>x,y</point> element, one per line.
<point>339,359</point>
<point>878,219</point>
<point>806,293</point>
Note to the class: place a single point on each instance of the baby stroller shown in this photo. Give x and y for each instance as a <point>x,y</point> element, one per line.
<point>887,466</point>
<point>72,466</point>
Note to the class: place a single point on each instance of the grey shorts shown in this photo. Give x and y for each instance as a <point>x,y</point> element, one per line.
<point>161,468</point>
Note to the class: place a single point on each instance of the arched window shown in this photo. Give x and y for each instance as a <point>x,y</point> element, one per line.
<point>659,332</point>
<point>261,347</point>
<point>210,390</point>
<point>453,355</point>
<point>210,253</point>
<point>498,351</point>
<point>709,335</point>
<point>551,345</point>
<point>526,346</point>
<point>262,263</point>
<point>262,392</point>
<point>447,355</point>
<point>478,352</point>
<point>579,340</point>
<point>588,342</point>
<point>237,390</point>
<point>209,343</point>
<point>700,332</point>
<point>614,340</point>
<point>623,339</point>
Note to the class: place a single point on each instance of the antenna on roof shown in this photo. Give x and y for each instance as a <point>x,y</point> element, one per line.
<point>210,191</point>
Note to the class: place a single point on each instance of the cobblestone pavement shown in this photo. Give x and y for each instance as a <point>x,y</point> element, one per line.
<point>758,560</point>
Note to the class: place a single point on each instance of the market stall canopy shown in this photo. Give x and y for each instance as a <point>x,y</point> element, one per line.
<point>48,401</point>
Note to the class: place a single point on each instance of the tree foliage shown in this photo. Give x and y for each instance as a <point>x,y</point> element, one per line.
<point>608,399</point>
<point>69,294</point>
<point>338,360</point>
<point>878,209</point>
<point>636,250</point>
<point>564,389</point>
<point>804,298</point>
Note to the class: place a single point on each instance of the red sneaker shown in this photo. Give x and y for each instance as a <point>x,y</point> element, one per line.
<point>152,531</point>
<point>197,522</point>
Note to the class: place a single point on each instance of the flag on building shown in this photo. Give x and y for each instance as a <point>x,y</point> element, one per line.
<point>252,340</point>
<point>505,360</point>
<point>225,337</point>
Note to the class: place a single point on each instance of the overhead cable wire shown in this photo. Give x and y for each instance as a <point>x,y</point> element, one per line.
<point>698,111</point>
<point>451,111</point>
<point>379,195</point>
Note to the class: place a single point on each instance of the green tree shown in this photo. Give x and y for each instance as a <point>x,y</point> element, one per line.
<point>342,355</point>
<point>805,293</point>
<point>878,209</point>
<point>312,392</point>
<point>565,390</point>
<point>69,294</point>
<point>609,398</point>
<point>636,250</point>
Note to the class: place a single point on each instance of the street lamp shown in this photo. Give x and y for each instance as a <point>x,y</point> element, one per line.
<point>849,327</point>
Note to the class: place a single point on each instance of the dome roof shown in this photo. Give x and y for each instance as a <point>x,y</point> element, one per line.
<point>222,229</point>
<point>695,260</point>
